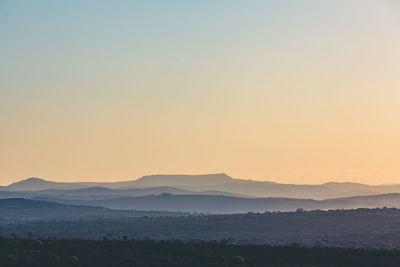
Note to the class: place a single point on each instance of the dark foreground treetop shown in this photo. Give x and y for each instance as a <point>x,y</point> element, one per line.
<point>148,253</point>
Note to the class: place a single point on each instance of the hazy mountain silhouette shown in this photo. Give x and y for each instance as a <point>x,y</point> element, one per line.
<point>93,192</point>
<point>178,180</point>
<point>213,184</point>
<point>105,193</point>
<point>226,204</point>
<point>99,197</point>
<point>34,184</point>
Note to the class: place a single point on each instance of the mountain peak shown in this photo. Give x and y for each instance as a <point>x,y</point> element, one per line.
<point>33,179</point>
<point>29,184</point>
<point>30,180</point>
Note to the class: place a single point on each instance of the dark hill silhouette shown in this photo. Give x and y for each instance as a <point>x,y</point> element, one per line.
<point>225,204</point>
<point>22,210</point>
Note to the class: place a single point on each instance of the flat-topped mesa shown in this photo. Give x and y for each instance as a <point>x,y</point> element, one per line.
<point>184,180</point>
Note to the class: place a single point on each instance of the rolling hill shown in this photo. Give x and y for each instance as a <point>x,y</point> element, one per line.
<point>219,204</point>
<point>19,210</point>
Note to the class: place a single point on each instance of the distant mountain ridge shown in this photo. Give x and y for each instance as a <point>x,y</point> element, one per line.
<point>219,204</point>
<point>212,193</point>
<point>182,180</point>
<point>89,193</point>
<point>217,183</point>
<point>34,183</point>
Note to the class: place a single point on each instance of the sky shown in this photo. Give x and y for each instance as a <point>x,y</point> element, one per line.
<point>287,91</point>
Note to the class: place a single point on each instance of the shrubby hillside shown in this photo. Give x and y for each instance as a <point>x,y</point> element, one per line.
<point>379,228</point>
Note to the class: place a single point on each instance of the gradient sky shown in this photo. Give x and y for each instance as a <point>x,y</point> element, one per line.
<point>287,91</point>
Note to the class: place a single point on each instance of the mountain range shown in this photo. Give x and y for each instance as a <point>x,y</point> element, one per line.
<point>208,184</point>
<point>211,193</point>
<point>215,204</point>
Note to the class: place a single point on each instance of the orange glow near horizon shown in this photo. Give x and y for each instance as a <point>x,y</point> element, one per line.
<point>284,91</point>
